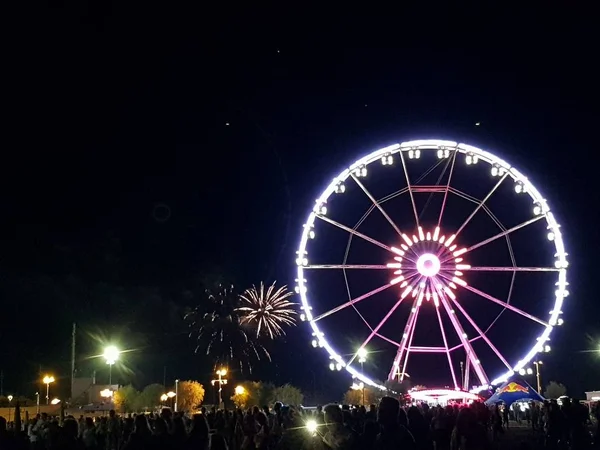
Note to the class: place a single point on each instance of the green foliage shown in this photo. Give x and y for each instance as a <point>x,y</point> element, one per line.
<point>127,399</point>
<point>149,398</point>
<point>555,390</point>
<point>258,393</point>
<point>190,395</point>
<point>288,394</point>
<point>355,396</point>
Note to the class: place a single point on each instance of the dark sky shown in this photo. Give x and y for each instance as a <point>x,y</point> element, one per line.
<point>116,111</point>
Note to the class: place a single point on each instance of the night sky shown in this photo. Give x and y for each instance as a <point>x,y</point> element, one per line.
<point>146,149</point>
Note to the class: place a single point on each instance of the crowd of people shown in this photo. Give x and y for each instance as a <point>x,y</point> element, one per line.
<point>387,426</point>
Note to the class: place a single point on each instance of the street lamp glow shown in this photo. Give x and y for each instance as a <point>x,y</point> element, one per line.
<point>164,398</point>
<point>10,397</point>
<point>55,401</point>
<point>106,393</point>
<point>240,390</point>
<point>47,380</point>
<point>222,372</point>
<point>362,354</point>
<point>171,394</point>
<point>111,354</point>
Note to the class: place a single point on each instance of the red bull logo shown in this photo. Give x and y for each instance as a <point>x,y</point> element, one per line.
<point>513,387</point>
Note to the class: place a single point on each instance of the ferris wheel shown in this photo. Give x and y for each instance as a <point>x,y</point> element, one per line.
<point>456,248</point>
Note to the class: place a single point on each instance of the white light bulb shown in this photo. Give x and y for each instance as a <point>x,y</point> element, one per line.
<point>551,236</point>
<point>494,171</point>
<point>417,154</point>
<point>411,154</point>
<point>440,153</point>
<point>469,159</point>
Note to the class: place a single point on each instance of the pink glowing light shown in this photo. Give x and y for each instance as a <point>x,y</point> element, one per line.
<point>428,265</point>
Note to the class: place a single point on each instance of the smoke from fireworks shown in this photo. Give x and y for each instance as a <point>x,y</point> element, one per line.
<point>268,309</point>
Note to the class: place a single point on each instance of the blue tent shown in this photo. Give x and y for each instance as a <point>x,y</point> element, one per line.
<point>514,390</point>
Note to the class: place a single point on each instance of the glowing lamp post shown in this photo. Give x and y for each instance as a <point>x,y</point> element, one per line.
<point>220,373</point>
<point>47,380</point>
<point>10,397</point>
<point>362,357</point>
<point>111,355</point>
<point>106,393</point>
<point>538,376</point>
<point>164,398</point>
<point>240,390</point>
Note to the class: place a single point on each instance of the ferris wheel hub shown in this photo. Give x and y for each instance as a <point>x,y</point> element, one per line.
<point>428,265</point>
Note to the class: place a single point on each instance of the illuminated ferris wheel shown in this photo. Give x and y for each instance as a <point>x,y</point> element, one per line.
<point>456,249</point>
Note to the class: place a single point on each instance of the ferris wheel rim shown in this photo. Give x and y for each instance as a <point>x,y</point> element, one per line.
<point>433,144</point>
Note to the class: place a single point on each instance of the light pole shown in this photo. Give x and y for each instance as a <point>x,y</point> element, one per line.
<point>111,354</point>
<point>538,376</point>
<point>10,397</point>
<point>362,357</point>
<point>176,395</point>
<point>220,373</point>
<point>37,402</point>
<point>47,380</point>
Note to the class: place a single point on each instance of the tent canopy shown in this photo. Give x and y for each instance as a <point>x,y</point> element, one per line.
<point>514,390</point>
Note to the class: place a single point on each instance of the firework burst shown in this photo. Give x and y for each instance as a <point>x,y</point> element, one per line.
<point>217,328</point>
<point>269,310</point>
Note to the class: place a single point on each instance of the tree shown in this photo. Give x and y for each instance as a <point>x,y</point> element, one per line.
<point>287,394</point>
<point>189,395</point>
<point>355,396</point>
<point>555,390</point>
<point>150,397</point>
<point>126,399</point>
<point>256,393</point>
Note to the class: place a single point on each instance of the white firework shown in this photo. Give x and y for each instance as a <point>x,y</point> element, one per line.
<point>268,309</point>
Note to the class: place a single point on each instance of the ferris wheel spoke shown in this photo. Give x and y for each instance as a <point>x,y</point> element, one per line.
<point>348,266</point>
<point>471,355</point>
<point>355,233</point>
<point>446,192</point>
<point>377,205</point>
<point>353,302</point>
<point>439,317</point>
<point>384,320</point>
<point>403,343</point>
<point>410,340</point>
<point>412,197</point>
<point>501,303</point>
<point>509,269</point>
<point>496,236</point>
<point>480,204</point>
<point>482,334</point>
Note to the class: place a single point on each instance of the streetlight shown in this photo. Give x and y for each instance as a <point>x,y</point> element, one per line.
<point>537,375</point>
<point>220,373</point>
<point>106,393</point>
<point>164,398</point>
<point>47,380</point>
<point>240,390</point>
<point>55,401</point>
<point>111,354</point>
<point>362,357</point>
<point>10,397</point>
<point>176,394</point>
